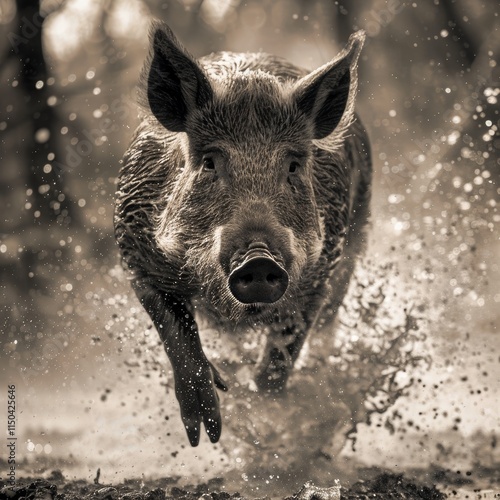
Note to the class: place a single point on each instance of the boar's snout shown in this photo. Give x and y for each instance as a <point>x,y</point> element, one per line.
<point>259,278</point>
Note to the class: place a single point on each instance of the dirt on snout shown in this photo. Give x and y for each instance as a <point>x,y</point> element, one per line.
<point>55,487</point>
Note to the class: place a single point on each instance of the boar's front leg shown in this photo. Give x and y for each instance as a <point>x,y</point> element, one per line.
<point>282,348</point>
<point>194,376</point>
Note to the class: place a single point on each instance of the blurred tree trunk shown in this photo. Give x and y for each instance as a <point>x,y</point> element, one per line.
<point>50,202</point>
<point>459,31</point>
<point>38,209</point>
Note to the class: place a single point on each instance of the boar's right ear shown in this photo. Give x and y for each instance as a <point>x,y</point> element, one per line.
<point>173,83</point>
<point>326,95</point>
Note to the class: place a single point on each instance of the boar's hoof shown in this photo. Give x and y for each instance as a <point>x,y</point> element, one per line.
<point>259,279</point>
<point>273,377</point>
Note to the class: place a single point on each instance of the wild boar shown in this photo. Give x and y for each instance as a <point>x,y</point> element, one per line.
<point>243,198</point>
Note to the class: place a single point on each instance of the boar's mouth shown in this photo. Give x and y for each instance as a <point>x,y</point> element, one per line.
<point>258,277</point>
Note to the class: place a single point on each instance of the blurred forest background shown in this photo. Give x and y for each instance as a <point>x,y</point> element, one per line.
<point>428,95</point>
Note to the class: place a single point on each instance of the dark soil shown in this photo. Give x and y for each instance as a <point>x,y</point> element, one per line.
<point>391,486</point>
<point>384,486</point>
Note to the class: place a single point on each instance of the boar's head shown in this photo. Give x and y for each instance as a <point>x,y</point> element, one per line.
<point>241,211</point>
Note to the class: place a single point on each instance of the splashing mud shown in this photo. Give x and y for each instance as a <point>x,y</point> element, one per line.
<point>341,379</point>
<point>274,443</point>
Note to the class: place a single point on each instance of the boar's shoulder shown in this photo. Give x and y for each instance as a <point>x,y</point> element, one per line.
<point>343,190</point>
<point>149,168</point>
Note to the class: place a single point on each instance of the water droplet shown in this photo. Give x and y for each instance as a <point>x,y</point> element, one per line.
<point>42,135</point>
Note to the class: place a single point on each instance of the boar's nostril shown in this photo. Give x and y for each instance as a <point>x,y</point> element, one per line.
<point>259,279</point>
<point>246,279</point>
<point>273,279</point>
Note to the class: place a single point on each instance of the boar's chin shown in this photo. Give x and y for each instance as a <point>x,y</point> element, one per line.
<point>229,309</point>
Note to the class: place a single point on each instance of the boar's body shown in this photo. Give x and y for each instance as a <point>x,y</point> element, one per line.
<point>196,225</point>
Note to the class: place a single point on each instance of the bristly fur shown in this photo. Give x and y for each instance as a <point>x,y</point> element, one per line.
<point>178,225</point>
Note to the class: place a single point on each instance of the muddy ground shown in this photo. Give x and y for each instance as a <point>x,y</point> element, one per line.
<point>433,483</point>
<point>384,486</point>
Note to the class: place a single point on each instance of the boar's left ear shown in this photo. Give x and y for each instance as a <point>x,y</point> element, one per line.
<point>173,83</point>
<point>327,94</point>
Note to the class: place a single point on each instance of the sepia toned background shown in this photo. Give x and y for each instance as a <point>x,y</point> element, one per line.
<point>93,385</point>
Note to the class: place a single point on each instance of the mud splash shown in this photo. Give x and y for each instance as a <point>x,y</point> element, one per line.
<point>342,378</point>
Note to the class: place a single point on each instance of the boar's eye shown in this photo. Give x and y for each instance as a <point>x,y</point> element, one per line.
<point>208,164</point>
<point>293,167</point>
